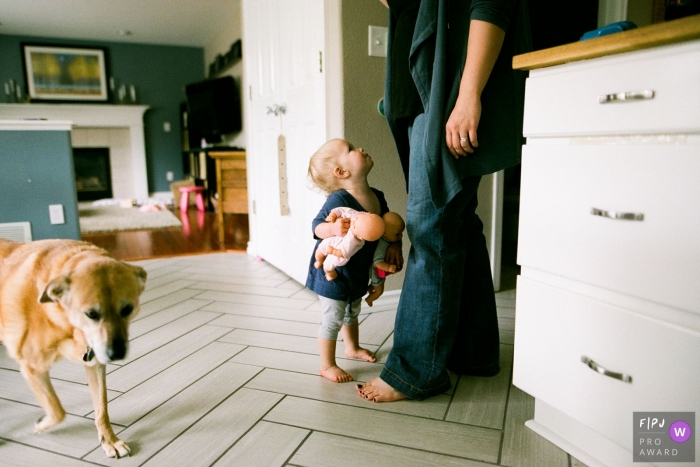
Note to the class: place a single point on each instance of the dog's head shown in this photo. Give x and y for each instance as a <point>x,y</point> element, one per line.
<point>100,297</point>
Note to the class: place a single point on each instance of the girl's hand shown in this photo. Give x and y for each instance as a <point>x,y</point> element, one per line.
<point>394,255</point>
<point>340,226</point>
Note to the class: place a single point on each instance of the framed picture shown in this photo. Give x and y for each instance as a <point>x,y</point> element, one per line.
<point>60,73</point>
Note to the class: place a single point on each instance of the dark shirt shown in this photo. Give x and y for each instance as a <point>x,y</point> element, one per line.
<point>404,96</point>
<point>436,63</point>
<point>353,278</point>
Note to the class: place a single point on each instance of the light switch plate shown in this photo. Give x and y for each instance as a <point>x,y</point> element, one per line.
<point>56,214</point>
<point>378,38</point>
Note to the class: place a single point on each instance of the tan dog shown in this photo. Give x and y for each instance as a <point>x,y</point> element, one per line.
<point>67,299</point>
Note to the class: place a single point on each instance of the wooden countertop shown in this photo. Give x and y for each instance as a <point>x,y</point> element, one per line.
<point>669,32</point>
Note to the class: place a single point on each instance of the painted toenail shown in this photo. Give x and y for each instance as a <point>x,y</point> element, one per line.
<point>359,386</point>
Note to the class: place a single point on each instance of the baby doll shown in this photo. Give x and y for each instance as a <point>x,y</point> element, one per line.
<point>337,251</point>
<point>393,231</point>
<point>394,226</point>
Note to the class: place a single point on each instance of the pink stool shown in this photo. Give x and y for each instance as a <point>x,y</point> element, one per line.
<point>185,197</point>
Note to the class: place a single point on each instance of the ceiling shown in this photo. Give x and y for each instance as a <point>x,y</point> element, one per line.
<point>167,22</point>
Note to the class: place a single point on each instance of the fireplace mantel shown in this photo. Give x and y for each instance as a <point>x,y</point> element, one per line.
<point>95,116</point>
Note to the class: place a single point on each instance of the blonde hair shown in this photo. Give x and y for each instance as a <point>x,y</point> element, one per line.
<point>322,165</point>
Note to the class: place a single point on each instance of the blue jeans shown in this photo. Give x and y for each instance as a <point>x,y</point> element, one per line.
<point>447,312</point>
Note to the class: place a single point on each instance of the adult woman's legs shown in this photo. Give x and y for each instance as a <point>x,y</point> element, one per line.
<point>429,308</point>
<point>476,347</point>
<point>447,314</point>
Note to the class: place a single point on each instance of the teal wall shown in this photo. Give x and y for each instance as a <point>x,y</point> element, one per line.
<point>37,171</point>
<point>159,74</point>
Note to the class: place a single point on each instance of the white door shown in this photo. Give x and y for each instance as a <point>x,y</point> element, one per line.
<point>284,46</point>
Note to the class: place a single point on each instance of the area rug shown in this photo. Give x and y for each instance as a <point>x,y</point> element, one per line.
<point>112,218</point>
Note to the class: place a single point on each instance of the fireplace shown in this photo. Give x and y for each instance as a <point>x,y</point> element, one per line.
<point>119,127</point>
<point>92,173</point>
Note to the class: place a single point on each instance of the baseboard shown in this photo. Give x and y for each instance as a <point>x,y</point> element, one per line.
<point>583,443</point>
<point>392,293</point>
<point>167,195</point>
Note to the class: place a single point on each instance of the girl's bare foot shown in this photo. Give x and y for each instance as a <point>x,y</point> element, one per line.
<point>378,391</point>
<point>361,354</point>
<point>335,373</point>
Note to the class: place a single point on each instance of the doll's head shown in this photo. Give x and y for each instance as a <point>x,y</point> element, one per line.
<point>393,226</point>
<point>367,226</point>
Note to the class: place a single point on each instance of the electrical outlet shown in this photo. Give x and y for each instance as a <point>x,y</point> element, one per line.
<point>166,127</point>
<point>56,214</point>
<point>169,176</point>
<point>378,38</point>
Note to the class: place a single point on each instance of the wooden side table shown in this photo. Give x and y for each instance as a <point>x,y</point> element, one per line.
<point>231,185</point>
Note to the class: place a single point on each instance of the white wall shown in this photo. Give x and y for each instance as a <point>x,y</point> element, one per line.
<point>363,86</point>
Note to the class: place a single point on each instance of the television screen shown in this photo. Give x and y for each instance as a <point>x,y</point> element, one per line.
<point>214,108</point>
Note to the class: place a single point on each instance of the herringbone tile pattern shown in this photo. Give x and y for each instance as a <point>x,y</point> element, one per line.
<point>223,370</point>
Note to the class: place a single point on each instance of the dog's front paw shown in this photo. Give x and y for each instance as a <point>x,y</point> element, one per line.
<point>47,421</point>
<point>116,448</point>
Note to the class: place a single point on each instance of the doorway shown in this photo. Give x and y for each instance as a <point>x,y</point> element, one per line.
<point>552,23</point>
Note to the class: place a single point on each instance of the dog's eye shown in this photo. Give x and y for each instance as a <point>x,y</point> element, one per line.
<point>93,315</point>
<point>126,311</point>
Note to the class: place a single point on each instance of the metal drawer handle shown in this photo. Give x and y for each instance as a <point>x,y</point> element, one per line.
<point>625,216</point>
<point>626,96</point>
<point>595,367</point>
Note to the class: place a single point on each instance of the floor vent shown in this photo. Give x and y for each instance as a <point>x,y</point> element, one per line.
<point>16,231</point>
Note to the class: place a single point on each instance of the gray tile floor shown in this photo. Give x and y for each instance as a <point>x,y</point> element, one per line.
<point>223,370</point>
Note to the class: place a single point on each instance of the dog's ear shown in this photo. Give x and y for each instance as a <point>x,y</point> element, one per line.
<point>140,274</point>
<point>56,290</point>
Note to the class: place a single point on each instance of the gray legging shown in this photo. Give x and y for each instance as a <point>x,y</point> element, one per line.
<point>337,313</point>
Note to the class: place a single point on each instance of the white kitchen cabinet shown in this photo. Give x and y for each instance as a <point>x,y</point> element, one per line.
<point>609,247</point>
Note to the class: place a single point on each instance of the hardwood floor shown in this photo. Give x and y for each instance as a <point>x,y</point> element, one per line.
<point>199,234</point>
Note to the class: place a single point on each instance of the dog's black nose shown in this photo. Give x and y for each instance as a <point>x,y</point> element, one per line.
<point>117,350</point>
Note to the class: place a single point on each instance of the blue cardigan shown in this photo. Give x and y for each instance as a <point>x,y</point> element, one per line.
<point>353,278</point>
<point>436,61</point>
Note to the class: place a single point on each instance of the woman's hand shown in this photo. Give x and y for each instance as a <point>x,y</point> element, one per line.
<point>460,131</point>
<point>483,47</point>
<point>394,255</point>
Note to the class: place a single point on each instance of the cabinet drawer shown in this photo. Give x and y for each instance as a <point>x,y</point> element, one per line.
<point>657,258</point>
<point>554,329</point>
<point>234,178</point>
<point>565,101</point>
<point>233,164</point>
<point>235,200</point>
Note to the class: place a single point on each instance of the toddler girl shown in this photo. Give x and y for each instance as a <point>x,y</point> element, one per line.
<point>340,170</point>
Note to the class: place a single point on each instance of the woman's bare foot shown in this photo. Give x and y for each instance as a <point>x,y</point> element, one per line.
<point>335,373</point>
<point>361,354</point>
<point>378,391</point>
